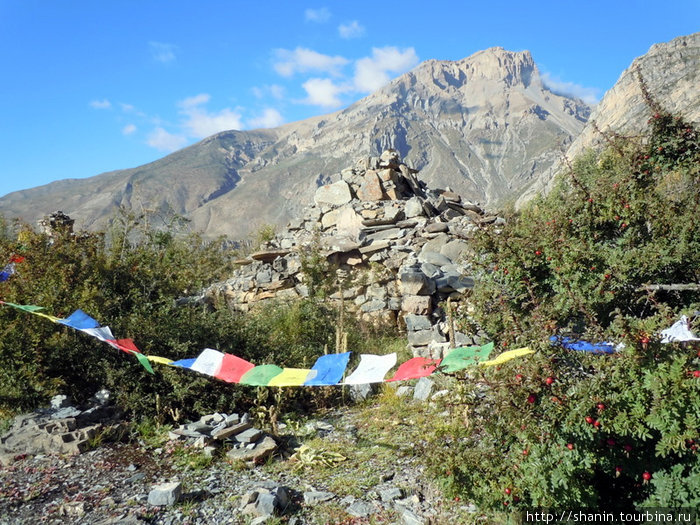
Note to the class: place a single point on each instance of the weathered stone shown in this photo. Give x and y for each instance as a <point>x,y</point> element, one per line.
<point>434,258</point>
<point>416,304</point>
<point>361,509</point>
<point>430,270</point>
<point>375,247</point>
<point>330,219</point>
<point>373,305</point>
<point>335,194</point>
<point>413,208</point>
<point>166,494</point>
<point>436,243</point>
<point>424,337</point>
<point>316,497</point>
<point>390,494</point>
<point>249,435</point>
<point>414,282</point>
<point>262,450</point>
<point>436,227</point>
<point>417,322</point>
<point>268,255</point>
<point>454,250</point>
<point>408,517</point>
<point>371,189</point>
<point>404,391</point>
<point>423,389</point>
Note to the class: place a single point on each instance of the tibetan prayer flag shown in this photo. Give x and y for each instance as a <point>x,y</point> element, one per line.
<point>125,345</point>
<point>461,358</point>
<point>47,316</point>
<point>184,363</point>
<point>233,368</point>
<point>208,362</point>
<point>144,362</point>
<point>79,320</point>
<point>17,259</point>
<point>583,346</point>
<point>329,369</point>
<point>679,332</point>
<point>7,272</point>
<point>507,356</point>
<point>291,377</point>
<point>26,307</point>
<point>414,368</point>
<point>103,333</point>
<point>160,360</point>
<point>260,375</point>
<point>372,369</point>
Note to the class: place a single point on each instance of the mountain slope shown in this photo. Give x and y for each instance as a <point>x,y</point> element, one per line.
<point>672,73</point>
<point>486,126</point>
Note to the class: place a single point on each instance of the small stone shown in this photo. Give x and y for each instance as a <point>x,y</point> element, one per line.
<point>436,227</point>
<point>316,497</point>
<point>166,494</point>
<point>360,509</point>
<point>409,517</point>
<point>417,322</point>
<point>390,494</point>
<point>249,436</point>
<point>423,389</point>
<point>335,194</point>
<point>404,391</point>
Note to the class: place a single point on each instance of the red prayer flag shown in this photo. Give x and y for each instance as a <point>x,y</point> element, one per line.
<point>17,259</point>
<point>414,368</point>
<point>233,368</point>
<point>126,345</point>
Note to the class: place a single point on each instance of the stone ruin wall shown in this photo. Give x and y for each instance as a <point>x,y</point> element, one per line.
<point>400,248</point>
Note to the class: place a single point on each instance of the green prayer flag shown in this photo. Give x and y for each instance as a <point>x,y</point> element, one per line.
<point>25,307</point>
<point>260,375</point>
<point>144,361</point>
<point>461,358</point>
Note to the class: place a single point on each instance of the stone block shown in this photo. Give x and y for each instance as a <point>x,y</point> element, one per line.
<point>371,188</point>
<point>166,494</point>
<point>417,304</point>
<point>249,435</point>
<point>335,194</point>
<point>417,322</point>
<point>424,387</point>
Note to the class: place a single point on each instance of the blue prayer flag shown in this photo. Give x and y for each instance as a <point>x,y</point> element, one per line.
<point>329,369</point>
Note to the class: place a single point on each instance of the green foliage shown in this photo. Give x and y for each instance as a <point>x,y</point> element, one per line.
<point>576,262</point>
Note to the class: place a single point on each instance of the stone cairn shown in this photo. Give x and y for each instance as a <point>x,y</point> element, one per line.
<point>401,250</point>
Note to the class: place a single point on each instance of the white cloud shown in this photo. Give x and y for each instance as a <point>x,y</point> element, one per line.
<point>589,95</point>
<point>322,92</point>
<point>274,90</point>
<point>351,30</point>
<point>164,141</point>
<point>302,60</point>
<point>200,123</point>
<point>270,118</point>
<point>371,73</point>
<point>128,129</point>
<point>162,52</point>
<point>100,104</point>
<point>317,15</point>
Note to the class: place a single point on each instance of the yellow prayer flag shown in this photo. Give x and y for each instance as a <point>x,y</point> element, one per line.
<point>159,360</point>
<point>290,377</point>
<point>507,356</point>
<point>47,316</point>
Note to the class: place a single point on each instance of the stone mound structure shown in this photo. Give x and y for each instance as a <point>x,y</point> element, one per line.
<point>399,248</point>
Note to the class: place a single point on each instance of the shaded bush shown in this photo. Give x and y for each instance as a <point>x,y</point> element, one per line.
<point>562,429</point>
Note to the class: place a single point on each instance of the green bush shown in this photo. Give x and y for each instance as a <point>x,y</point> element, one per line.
<point>604,430</point>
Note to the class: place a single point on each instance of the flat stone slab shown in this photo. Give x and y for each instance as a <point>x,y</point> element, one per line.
<point>269,255</point>
<point>316,497</point>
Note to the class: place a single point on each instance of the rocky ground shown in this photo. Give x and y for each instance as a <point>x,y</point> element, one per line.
<point>358,464</point>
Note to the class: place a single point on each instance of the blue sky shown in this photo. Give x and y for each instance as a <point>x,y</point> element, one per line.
<point>92,86</point>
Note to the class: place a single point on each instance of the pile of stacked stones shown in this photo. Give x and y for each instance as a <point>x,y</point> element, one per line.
<point>246,442</point>
<point>401,250</point>
<point>62,428</point>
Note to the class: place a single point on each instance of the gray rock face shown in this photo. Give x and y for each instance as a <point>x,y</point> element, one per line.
<point>424,387</point>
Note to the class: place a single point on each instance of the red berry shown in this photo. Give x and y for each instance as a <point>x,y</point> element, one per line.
<point>596,423</point>
<point>531,398</point>
<point>600,406</point>
<point>537,252</point>
<point>611,442</point>
<point>549,380</point>
<point>516,499</point>
<point>589,420</point>
<point>645,340</point>
<point>519,377</point>
<point>646,476</point>
<point>526,452</point>
<point>570,446</point>
<point>628,448</point>
<point>508,491</point>
<point>618,469</point>
<point>696,373</point>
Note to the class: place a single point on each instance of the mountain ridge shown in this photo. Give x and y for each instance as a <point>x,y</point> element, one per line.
<point>486,126</point>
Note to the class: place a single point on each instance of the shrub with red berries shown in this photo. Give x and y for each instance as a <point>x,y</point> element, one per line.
<point>616,430</point>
